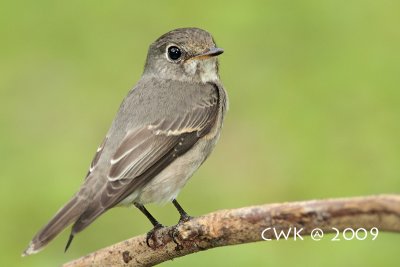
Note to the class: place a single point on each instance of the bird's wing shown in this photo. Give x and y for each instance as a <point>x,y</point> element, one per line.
<point>144,152</point>
<point>96,157</point>
<point>143,147</point>
<point>147,150</point>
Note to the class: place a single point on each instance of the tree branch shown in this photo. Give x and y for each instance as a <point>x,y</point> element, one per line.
<point>244,225</point>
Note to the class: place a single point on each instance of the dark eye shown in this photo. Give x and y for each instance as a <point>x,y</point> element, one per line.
<point>174,52</point>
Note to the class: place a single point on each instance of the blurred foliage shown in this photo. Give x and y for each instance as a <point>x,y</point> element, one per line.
<point>314,113</point>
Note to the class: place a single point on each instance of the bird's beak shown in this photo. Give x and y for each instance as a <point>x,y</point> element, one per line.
<point>212,52</point>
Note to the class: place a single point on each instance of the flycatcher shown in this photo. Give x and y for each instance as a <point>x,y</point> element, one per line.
<point>164,130</point>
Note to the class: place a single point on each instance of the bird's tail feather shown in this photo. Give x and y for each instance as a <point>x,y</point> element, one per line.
<point>63,218</point>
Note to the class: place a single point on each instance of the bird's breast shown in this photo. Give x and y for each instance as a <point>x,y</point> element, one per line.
<point>167,184</point>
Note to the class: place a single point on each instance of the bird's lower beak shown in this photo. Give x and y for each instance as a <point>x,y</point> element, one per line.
<point>215,51</point>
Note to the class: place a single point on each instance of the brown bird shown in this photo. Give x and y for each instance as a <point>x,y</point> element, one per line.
<point>164,130</point>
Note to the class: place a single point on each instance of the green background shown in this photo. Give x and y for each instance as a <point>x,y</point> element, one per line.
<point>314,113</point>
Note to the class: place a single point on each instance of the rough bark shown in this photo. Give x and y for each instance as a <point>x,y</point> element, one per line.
<point>244,225</point>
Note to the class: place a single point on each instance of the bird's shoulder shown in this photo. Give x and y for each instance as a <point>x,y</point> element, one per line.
<point>153,99</point>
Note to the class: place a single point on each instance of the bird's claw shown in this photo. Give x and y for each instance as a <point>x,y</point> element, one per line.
<point>184,218</point>
<point>152,235</point>
<point>174,232</point>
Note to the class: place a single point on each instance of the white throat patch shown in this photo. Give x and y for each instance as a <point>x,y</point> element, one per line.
<point>205,67</point>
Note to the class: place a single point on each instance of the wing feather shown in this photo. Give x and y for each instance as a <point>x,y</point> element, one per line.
<point>142,147</point>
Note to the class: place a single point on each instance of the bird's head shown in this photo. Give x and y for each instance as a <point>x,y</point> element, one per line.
<point>186,54</point>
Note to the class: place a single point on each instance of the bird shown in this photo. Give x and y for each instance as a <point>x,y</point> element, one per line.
<point>165,128</point>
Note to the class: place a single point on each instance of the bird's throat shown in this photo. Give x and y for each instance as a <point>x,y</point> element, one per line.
<point>203,70</point>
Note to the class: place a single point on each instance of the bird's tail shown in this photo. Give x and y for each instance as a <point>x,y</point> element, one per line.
<point>63,218</point>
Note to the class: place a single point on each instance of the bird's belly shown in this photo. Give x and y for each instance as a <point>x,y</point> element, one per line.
<point>167,184</point>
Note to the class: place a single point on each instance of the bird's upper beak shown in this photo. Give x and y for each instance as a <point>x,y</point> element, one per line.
<point>212,52</point>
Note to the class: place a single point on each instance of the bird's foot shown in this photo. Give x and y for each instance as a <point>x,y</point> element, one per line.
<point>151,235</point>
<point>184,218</point>
<point>174,232</point>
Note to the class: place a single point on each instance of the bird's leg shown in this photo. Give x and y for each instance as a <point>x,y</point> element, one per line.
<point>156,224</point>
<point>184,216</point>
<point>148,215</point>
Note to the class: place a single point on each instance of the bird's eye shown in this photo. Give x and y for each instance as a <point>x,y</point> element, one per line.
<point>174,53</point>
